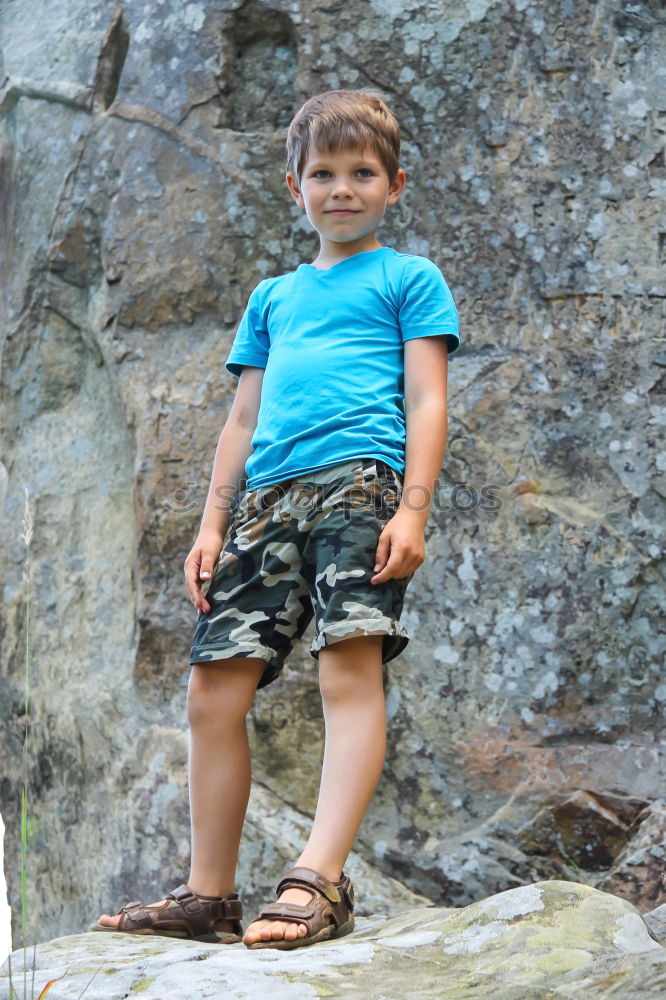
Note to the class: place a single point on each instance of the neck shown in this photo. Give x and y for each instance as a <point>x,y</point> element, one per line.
<point>332,253</point>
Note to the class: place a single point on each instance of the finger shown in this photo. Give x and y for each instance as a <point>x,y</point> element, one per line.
<point>195,593</point>
<point>206,569</point>
<point>380,565</point>
<point>201,605</point>
<point>380,562</point>
<point>192,577</point>
<point>382,555</point>
<point>388,572</point>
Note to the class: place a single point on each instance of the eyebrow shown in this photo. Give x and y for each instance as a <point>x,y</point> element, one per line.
<point>361,162</point>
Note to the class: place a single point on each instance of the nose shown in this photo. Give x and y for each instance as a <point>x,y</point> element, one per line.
<point>342,189</point>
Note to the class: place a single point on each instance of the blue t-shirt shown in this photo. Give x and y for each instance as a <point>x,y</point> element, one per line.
<point>332,346</point>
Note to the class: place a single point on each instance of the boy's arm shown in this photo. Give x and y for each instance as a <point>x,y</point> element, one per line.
<point>401,546</point>
<point>233,451</point>
<point>426,374</point>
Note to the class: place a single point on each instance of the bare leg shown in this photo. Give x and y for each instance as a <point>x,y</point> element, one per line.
<point>350,678</point>
<point>220,694</point>
<point>219,768</point>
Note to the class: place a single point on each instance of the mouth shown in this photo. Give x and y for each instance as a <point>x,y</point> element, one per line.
<point>342,211</point>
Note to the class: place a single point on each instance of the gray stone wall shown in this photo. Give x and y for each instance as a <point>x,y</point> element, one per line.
<point>142,197</point>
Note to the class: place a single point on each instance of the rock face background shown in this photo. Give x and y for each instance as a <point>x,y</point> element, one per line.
<point>142,197</point>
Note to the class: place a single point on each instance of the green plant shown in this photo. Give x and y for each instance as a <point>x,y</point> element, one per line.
<point>28,823</point>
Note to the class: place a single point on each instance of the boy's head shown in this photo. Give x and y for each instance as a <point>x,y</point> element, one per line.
<point>343,120</point>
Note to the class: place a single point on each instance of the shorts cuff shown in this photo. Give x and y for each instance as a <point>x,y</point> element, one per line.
<point>206,654</point>
<point>198,653</point>
<point>381,625</point>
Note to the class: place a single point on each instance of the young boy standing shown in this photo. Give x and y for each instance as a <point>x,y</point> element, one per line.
<point>339,424</point>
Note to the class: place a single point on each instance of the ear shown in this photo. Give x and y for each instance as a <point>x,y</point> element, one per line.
<point>396,186</point>
<point>292,184</point>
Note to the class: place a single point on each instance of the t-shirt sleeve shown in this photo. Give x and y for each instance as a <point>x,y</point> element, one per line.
<point>426,307</point>
<point>251,343</point>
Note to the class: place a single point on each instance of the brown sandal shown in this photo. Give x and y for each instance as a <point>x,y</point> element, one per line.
<point>185,914</point>
<point>329,900</point>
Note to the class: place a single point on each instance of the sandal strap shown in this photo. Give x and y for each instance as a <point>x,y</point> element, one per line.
<point>347,889</point>
<point>184,913</point>
<point>290,911</point>
<point>335,892</point>
<point>297,877</point>
<point>339,896</point>
<point>129,906</point>
<point>228,907</point>
<point>330,905</point>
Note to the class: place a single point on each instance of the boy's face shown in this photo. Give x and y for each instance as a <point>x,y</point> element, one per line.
<point>345,193</point>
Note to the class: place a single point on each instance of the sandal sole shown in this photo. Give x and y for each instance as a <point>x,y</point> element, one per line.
<point>224,938</point>
<point>325,934</point>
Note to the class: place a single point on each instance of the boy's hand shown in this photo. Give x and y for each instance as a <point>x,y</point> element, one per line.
<point>199,567</point>
<point>401,548</point>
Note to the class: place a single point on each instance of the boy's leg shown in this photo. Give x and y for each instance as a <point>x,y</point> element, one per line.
<point>220,694</point>
<point>351,683</point>
<point>219,698</point>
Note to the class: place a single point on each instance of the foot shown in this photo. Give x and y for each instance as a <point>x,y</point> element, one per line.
<point>109,921</point>
<point>267,930</point>
<point>224,926</point>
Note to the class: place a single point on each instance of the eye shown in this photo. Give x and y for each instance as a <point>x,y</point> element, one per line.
<point>366,172</point>
<point>317,173</point>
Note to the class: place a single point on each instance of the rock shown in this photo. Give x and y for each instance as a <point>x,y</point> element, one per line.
<point>656,922</point>
<point>556,939</point>
<point>638,872</point>
<point>585,830</point>
<point>141,178</point>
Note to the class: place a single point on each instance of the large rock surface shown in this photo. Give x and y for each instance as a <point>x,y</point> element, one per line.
<point>142,147</point>
<point>548,941</point>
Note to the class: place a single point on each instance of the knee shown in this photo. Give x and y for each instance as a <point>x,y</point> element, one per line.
<point>218,697</point>
<point>335,686</point>
<point>351,669</point>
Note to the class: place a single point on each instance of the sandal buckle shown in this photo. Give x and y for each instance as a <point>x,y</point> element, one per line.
<point>128,906</point>
<point>187,899</point>
<point>327,888</point>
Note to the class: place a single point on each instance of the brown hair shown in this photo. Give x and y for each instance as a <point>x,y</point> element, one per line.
<point>344,119</point>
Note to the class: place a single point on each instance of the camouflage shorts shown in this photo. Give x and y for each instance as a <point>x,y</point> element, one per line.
<point>304,548</point>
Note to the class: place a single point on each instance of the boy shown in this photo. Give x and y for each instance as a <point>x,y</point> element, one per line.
<point>339,423</point>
